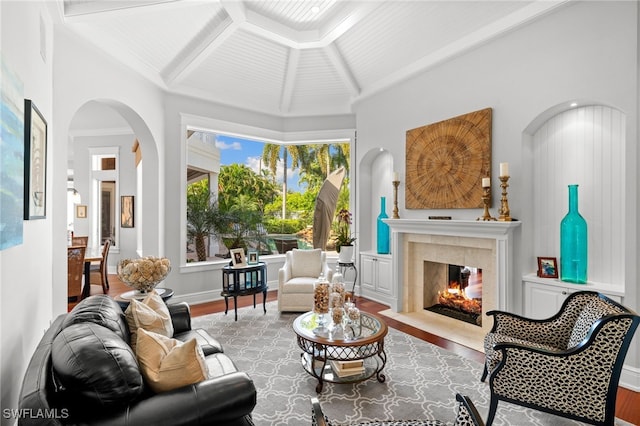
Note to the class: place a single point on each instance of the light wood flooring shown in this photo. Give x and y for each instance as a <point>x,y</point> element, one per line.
<point>627,404</point>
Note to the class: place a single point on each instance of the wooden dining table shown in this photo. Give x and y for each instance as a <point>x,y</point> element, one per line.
<point>91,254</point>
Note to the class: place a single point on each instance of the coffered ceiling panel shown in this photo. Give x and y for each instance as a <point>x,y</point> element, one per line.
<point>317,85</point>
<point>245,69</point>
<point>289,57</point>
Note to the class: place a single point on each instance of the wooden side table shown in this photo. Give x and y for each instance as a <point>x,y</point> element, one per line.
<point>244,281</point>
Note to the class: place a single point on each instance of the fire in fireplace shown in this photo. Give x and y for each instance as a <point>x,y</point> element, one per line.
<point>457,292</point>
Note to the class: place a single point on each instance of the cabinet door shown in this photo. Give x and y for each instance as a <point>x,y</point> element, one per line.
<point>384,284</point>
<point>543,301</point>
<point>367,266</point>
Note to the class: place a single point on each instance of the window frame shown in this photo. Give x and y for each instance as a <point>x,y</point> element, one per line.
<point>209,125</point>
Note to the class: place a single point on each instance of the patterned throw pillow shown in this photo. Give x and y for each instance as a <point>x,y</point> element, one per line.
<point>167,363</point>
<point>151,314</point>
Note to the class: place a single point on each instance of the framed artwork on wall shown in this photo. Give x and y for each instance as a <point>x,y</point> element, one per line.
<point>126,211</point>
<point>11,157</point>
<point>446,162</point>
<point>81,211</point>
<point>35,162</point>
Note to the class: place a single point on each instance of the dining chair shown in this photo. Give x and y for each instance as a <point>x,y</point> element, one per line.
<point>100,273</point>
<point>75,272</point>
<point>80,241</point>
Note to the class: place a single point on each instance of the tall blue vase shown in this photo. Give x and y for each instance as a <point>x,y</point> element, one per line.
<point>573,242</point>
<point>383,228</point>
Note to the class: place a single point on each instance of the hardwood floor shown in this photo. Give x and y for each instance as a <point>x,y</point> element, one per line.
<point>627,403</point>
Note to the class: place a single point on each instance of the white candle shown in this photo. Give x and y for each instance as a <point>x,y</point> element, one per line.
<point>486,182</point>
<point>504,169</point>
<point>395,176</point>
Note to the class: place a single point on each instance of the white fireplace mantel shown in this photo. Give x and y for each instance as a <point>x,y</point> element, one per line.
<point>460,228</point>
<point>501,232</point>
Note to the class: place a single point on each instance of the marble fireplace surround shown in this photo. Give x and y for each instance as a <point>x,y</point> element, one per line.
<point>486,245</point>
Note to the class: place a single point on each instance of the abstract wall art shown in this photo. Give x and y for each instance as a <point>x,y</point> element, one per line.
<point>446,161</point>
<point>11,157</point>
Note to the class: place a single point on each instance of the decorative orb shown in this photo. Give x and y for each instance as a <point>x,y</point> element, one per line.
<point>145,273</point>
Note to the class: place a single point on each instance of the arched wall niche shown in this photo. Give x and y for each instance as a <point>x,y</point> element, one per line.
<point>376,174</point>
<point>580,143</point>
<point>148,197</point>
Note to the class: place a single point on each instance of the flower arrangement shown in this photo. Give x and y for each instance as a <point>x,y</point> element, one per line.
<point>144,273</point>
<point>344,237</point>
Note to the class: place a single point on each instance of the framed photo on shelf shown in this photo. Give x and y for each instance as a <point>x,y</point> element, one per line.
<point>81,211</point>
<point>35,163</point>
<point>252,257</point>
<point>126,211</point>
<point>547,267</point>
<point>237,257</point>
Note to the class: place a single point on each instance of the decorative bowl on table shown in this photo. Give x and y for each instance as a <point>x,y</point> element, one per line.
<point>145,273</point>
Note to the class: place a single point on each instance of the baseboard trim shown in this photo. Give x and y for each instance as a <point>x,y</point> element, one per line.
<point>630,378</point>
<point>198,298</point>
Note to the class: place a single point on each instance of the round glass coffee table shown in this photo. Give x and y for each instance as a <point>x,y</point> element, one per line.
<point>325,352</point>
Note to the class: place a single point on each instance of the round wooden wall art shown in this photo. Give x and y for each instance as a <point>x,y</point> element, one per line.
<point>446,161</point>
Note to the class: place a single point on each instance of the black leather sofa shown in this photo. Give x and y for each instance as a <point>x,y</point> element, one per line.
<point>112,391</point>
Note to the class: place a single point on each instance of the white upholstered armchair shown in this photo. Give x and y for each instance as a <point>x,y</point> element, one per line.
<point>296,277</point>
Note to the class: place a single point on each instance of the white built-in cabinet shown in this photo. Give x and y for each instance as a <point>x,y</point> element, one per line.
<point>543,297</point>
<point>376,276</point>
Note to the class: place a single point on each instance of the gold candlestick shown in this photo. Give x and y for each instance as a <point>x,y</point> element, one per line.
<point>505,214</point>
<point>396,183</point>
<point>486,199</point>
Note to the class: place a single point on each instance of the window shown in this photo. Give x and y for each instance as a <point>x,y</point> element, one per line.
<point>258,203</point>
<point>104,195</point>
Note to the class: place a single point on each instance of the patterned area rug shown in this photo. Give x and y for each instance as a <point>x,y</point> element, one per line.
<point>422,379</point>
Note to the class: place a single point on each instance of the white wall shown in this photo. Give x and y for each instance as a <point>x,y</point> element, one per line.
<point>26,284</point>
<point>584,50</point>
<point>84,74</point>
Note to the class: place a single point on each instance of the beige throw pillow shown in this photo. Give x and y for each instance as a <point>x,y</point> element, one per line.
<point>151,314</point>
<point>167,363</point>
<point>306,263</point>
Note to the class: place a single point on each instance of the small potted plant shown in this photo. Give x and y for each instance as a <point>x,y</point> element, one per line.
<point>344,238</point>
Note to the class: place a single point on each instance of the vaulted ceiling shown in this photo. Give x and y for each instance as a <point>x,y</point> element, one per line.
<point>289,58</point>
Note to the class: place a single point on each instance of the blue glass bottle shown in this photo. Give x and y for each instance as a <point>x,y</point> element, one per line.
<point>573,242</point>
<point>383,228</point>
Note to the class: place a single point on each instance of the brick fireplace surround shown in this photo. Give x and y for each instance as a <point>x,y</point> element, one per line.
<point>486,245</point>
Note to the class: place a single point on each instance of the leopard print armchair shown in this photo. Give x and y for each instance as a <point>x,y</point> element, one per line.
<point>568,365</point>
<point>467,415</point>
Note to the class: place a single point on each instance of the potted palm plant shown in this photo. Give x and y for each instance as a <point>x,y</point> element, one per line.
<point>203,217</point>
<point>344,238</point>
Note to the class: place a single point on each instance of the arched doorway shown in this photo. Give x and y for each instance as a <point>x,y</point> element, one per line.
<point>103,167</point>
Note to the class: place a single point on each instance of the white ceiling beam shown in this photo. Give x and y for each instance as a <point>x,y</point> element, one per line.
<point>215,32</point>
<point>289,79</point>
<point>342,23</point>
<point>80,11</point>
<point>343,70</point>
<point>275,31</point>
<point>200,47</point>
<point>280,33</point>
<point>236,10</point>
